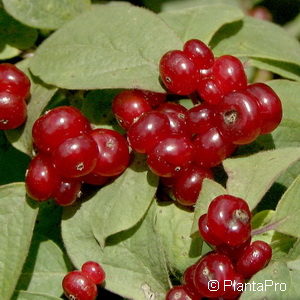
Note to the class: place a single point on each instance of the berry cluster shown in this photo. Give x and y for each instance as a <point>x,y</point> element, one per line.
<point>14,90</point>
<point>182,145</point>
<point>70,153</point>
<point>227,228</point>
<point>82,285</point>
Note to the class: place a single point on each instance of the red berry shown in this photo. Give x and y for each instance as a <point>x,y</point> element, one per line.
<point>211,148</point>
<point>229,72</point>
<point>77,285</point>
<point>113,149</point>
<point>178,73</point>
<point>153,98</point>
<point>95,179</point>
<point>150,128</point>
<point>57,125</point>
<point>170,155</point>
<point>255,257</point>
<point>200,118</point>
<point>94,271</point>
<point>13,111</point>
<point>14,81</point>
<point>176,114</point>
<point>41,178</point>
<point>270,108</point>
<point>229,219</point>
<point>188,184</point>
<point>128,106</point>
<point>210,91</point>
<point>67,192</point>
<point>178,293</point>
<point>261,13</point>
<point>234,287</point>
<point>239,117</point>
<point>76,156</point>
<point>206,233</point>
<point>199,53</point>
<point>213,266</point>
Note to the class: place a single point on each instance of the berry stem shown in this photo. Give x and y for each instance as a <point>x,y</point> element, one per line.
<point>268,227</point>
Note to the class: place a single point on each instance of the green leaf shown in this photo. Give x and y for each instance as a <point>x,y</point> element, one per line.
<point>21,138</point>
<point>133,260</point>
<point>118,56</point>
<point>250,177</point>
<point>15,34</point>
<point>201,22</point>
<point>210,190</point>
<point>288,209</point>
<point>50,14</point>
<point>17,217</point>
<point>173,225</point>
<point>24,295</point>
<point>123,203</point>
<point>9,52</point>
<point>257,39</point>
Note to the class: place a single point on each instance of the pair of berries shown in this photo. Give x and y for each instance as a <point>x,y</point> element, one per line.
<point>14,90</point>
<point>226,226</point>
<point>69,153</point>
<point>82,285</point>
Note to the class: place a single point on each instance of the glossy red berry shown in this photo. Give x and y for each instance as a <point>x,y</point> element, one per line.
<point>67,191</point>
<point>210,91</point>
<point>213,266</point>
<point>254,258</point>
<point>229,72</point>
<point>211,148</point>
<point>178,73</point>
<point>76,156</point>
<point>113,157</point>
<point>206,233</point>
<point>270,107</point>
<point>13,111</point>
<point>95,179</point>
<point>77,285</point>
<point>14,81</point>
<point>238,117</point>
<point>41,178</point>
<point>199,53</point>
<point>176,114</point>
<point>153,98</point>
<point>128,106</point>
<point>170,155</point>
<point>94,271</point>
<point>178,293</point>
<point>229,218</point>
<point>57,125</point>
<point>234,287</point>
<point>200,118</point>
<point>150,128</point>
<point>187,185</point>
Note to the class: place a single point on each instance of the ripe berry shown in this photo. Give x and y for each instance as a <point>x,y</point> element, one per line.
<point>128,106</point>
<point>77,285</point>
<point>200,118</point>
<point>178,73</point>
<point>238,117</point>
<point>76,156</point>
<point>150,128</point>
<point>113,149</point>
<point>199,53</point>
<point>210,91</point>
<point>270,108</point>
<point>41,178</point>
<point>13,111</point>
<point>176,114</point>
<point>57,125</point>
<point>211,148</point>
<point>188,184</point>
<point>170,155</point>
<point>229,72</point>
<point>254,258</point>
<point>178,293</point>
<point>14,81</point>
<point>67,192</point>
<point>234,287</point>
<point>229,218</point>
<point>95,179</point>
<point>94,271</point>
<point>206,233</point>
<point>153,98</point>
<point>213,266</point>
